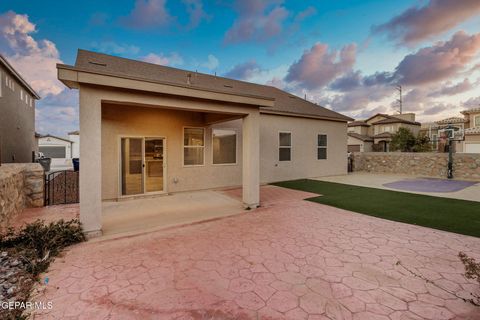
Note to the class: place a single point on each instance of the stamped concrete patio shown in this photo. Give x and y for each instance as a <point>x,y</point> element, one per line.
<point>291,259</point>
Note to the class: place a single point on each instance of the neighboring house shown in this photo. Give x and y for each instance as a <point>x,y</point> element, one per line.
<point>60,150</point>
<point>375,133</point>
<point>17,116</point>
<point>151,129</point>
<point>468,125</point>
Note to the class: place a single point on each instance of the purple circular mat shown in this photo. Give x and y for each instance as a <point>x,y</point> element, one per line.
<point>430,185</point>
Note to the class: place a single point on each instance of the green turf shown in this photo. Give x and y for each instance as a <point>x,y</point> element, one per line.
<point>453,215</point>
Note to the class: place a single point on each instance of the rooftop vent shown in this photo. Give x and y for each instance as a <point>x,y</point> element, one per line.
<point>228,86</point>
<point>98,63</point>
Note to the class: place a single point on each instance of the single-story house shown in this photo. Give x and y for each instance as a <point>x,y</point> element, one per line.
<point>60,150</point>
<point>151,129</point>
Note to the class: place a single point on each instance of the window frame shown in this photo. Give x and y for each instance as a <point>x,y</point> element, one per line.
<point>475,118</point>
<point>236,147</point>
<point>323,147</point>
<point>184,146</point>
<point>285,147</point>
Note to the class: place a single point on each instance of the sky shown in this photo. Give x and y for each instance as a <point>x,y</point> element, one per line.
<point>345,55</point>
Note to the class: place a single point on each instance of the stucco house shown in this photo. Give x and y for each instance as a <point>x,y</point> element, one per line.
<point>148,129</point>
<point>469,125</point>
<point>60,150</point>
<point>17,116</point>
<point>375,133</point>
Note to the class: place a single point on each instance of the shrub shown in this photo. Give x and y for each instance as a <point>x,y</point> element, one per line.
<point>38,243</point>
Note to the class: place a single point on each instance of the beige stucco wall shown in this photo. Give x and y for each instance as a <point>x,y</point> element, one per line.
<point>120,120</point>
<point>304,162</point>
<point>128,121</point>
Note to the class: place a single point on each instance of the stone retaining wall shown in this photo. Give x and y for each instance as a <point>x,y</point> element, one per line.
<point>21,186</point>
<point>465,165</point>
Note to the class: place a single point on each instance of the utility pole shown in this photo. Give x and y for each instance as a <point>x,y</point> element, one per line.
<point>399,100</point>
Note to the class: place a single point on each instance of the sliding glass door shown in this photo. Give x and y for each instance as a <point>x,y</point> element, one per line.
<point>142,165</point>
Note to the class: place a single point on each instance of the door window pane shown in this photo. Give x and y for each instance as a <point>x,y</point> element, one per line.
<point>224,144</point>
<point>132,171</point>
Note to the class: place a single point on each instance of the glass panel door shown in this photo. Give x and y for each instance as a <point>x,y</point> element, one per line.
<point>132,166</point>
<point>154,162</point>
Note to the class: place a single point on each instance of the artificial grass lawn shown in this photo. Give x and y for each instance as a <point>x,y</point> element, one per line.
<point>459,216</point>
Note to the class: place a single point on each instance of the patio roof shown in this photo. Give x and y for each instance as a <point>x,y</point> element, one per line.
<point>270,99</point>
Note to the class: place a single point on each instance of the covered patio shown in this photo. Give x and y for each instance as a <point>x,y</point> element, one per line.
<point>143,104</point>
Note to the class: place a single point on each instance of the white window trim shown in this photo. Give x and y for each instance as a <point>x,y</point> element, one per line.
<point>323,147</point>
<point>184,146</point>
<point>291,146</point>
<point>236,148</point>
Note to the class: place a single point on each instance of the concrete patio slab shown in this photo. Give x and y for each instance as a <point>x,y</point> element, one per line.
<point>291,259</point>
<point>382,181</point>
<point>143,215</point>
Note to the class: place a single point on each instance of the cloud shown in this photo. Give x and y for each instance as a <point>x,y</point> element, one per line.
<point>212,62</point>
<point>436,17</point>
<point>110,47</point>
<point>449,90</point>
<point>34,59</point>
<point>319,66</point>
<point>438,108</point>
<point>244,71</point>
<point>443,60</point>
<point>173,59</point>
<point>195,12</point>
<point>308,12</point>
<point>472,103</point>
<point>257,20</point>
<point>148,14</point>
<point>347,82</point>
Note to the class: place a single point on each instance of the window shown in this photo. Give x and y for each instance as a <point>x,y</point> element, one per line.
<point>477,120</point>
<point>224,145</point>
<point>322,146</point>
<point>21,94</point>
<point>284,146</point>
<point>193,146</point>
<point>31,102</point>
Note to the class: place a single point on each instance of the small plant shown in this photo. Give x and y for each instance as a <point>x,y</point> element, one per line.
<point>472,267</point>
<point>38,243</point>
<point>26,253</point>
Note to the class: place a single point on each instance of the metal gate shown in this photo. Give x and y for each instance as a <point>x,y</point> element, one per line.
<point>61,187</point>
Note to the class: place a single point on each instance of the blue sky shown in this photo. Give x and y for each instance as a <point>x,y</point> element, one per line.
<point>345,55</point>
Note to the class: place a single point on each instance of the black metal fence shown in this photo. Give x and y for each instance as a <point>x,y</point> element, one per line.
<point>61,187</point>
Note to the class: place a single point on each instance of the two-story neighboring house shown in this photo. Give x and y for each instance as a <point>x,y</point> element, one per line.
<point>17,116</point>
<point>469,124</point>
<point>375,133</point>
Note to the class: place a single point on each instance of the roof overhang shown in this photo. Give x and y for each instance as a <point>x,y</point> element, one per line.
<point>74,77</point>
<point>303,115</point>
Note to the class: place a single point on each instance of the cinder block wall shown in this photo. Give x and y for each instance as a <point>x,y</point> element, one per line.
<point>465,165</point>
<point>21,186</point>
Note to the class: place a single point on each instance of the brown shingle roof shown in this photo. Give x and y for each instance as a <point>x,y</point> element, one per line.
<point>360,136</point>
<point>358,123</point>
<point>391,119</point>
<point>285,103</point>
<point>452,120</point>
<point>383,135</point>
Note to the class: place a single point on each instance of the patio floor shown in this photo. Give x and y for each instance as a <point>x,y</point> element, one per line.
<point>291,259</point>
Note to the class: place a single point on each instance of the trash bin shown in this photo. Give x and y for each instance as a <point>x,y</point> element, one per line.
<point>45,162</point>
<point>76,164</point>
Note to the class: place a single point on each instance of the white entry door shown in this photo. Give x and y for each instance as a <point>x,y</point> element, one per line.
<point>142,162</point>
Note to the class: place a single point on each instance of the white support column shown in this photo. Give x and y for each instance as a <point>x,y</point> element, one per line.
<point>251,160</point>
<point>90,162</point>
